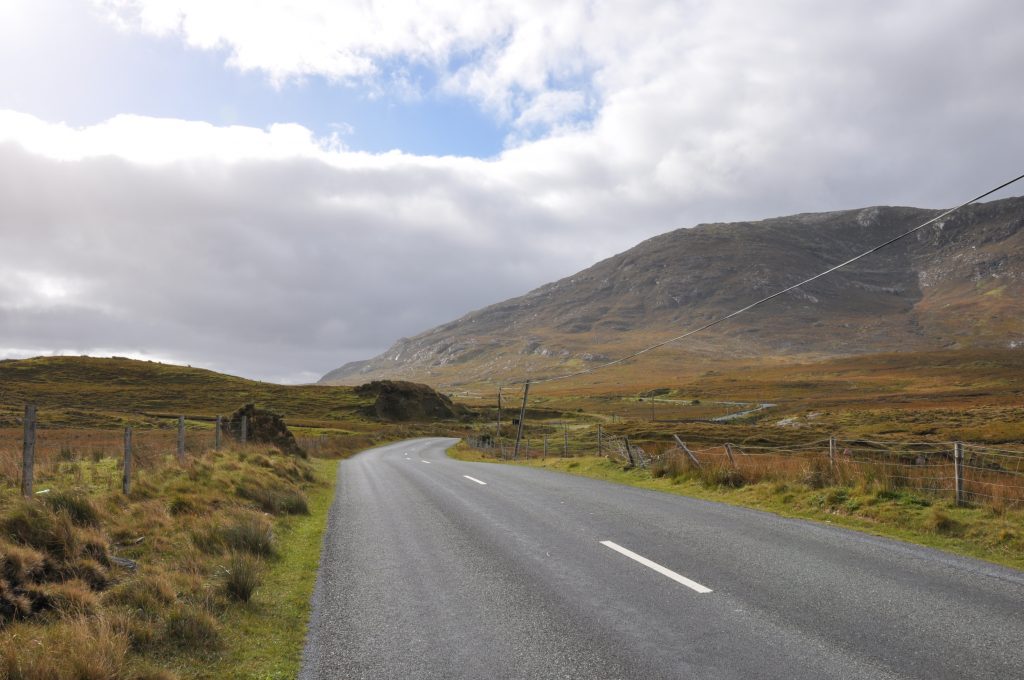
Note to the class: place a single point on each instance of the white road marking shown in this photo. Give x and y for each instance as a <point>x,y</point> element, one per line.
<point>425,461</point>
<point>474,479</point>
<point>678,578</point>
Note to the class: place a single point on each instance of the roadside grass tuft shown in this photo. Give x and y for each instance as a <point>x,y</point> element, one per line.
<point>243,575</point>
<point>80,648</point>
<point>192,629</point>
<point>939,521</point>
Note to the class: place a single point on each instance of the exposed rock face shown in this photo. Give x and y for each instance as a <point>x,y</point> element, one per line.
<point>957,283</point>
<point>406,401</point>
<point>263,427</point>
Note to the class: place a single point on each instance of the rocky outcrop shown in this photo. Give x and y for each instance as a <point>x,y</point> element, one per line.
<point>263,427</point>
<point>398,400</point>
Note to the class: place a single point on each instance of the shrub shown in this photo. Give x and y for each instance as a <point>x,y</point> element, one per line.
<point>242,576</point>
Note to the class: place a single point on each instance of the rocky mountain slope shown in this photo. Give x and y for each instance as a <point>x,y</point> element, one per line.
<point>958,283</point>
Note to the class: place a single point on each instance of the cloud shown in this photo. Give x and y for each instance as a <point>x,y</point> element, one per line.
<point>275,253</point>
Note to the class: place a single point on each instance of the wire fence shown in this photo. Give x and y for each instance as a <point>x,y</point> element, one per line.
<point>969,474</point>
<point>97,457</point>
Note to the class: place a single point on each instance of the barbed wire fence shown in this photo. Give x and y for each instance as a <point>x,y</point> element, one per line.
<point>108,457</point>
<point>976,472</point>
<point>966,473</point>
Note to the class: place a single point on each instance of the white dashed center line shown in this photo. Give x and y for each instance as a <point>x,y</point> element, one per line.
<point>474,479</point>
<point>425,461</point>
<point>664,571</point>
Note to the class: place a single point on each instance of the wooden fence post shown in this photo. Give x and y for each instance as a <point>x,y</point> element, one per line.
<point>126,479</point>
<point>245,429</point>
<point>599,442</point>
<point>685,448</point>
<point>832,453</point>
<point>181,439</point>
<point>958,470</point>
<point>522,419</point>
<point>28,459</point>
<point>216,435</point>
<point>545,446</point>
<point>629,452</point>
<point>728,452</point>
<point>565,441</point>
<point>497,427</point>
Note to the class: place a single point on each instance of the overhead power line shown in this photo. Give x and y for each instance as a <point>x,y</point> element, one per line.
<point>594,369</point>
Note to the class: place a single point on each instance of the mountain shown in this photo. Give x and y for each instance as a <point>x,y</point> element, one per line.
<point>957,283</point>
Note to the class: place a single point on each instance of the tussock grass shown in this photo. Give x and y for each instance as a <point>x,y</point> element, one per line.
<point>145,594</point>
<point>76,504</point>
<point>191,628</point>
<point>197,546</point>
<point>80,648</point>
<point>242,576</point>
<point>246,532</point>
<point>275,497</point>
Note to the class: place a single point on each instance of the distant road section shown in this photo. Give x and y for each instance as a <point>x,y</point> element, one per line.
<point>472,570</point>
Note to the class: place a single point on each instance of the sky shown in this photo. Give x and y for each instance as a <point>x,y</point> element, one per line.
<point>272,189</point>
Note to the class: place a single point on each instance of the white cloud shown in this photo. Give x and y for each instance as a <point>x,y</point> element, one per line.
<point>276,252</point>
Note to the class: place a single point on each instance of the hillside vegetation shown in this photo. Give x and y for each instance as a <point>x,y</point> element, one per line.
<point>83,388</point>
<point>957,284</point>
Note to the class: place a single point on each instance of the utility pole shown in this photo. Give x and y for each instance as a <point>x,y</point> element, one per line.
<point>501,448</point>
<point>522,420</point>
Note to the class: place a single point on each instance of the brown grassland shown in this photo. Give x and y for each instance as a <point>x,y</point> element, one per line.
<point>223,549</point>
<point>204,570</point>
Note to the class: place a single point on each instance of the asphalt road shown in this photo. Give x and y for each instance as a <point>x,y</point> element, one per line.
<point>427,573</point>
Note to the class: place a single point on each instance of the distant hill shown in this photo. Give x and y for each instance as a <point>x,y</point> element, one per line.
<point>956,284</point>
<point>90,391</point>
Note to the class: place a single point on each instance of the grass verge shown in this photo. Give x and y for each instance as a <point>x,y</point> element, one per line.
<point>264,639</point>
<point>992,534</point>
<point>194,574</point>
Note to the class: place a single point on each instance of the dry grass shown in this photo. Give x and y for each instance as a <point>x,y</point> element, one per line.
<point>79,648</point>
<point>242,576</point>
<point>200,538</point>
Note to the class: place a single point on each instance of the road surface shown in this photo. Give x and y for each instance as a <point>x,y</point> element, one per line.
<point>435,568</point>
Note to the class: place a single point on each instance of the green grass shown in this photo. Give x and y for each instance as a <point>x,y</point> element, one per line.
<point>264,639</point>
<point>994,535</point>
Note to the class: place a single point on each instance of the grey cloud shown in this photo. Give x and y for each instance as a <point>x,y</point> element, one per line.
<point>245,267</point>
